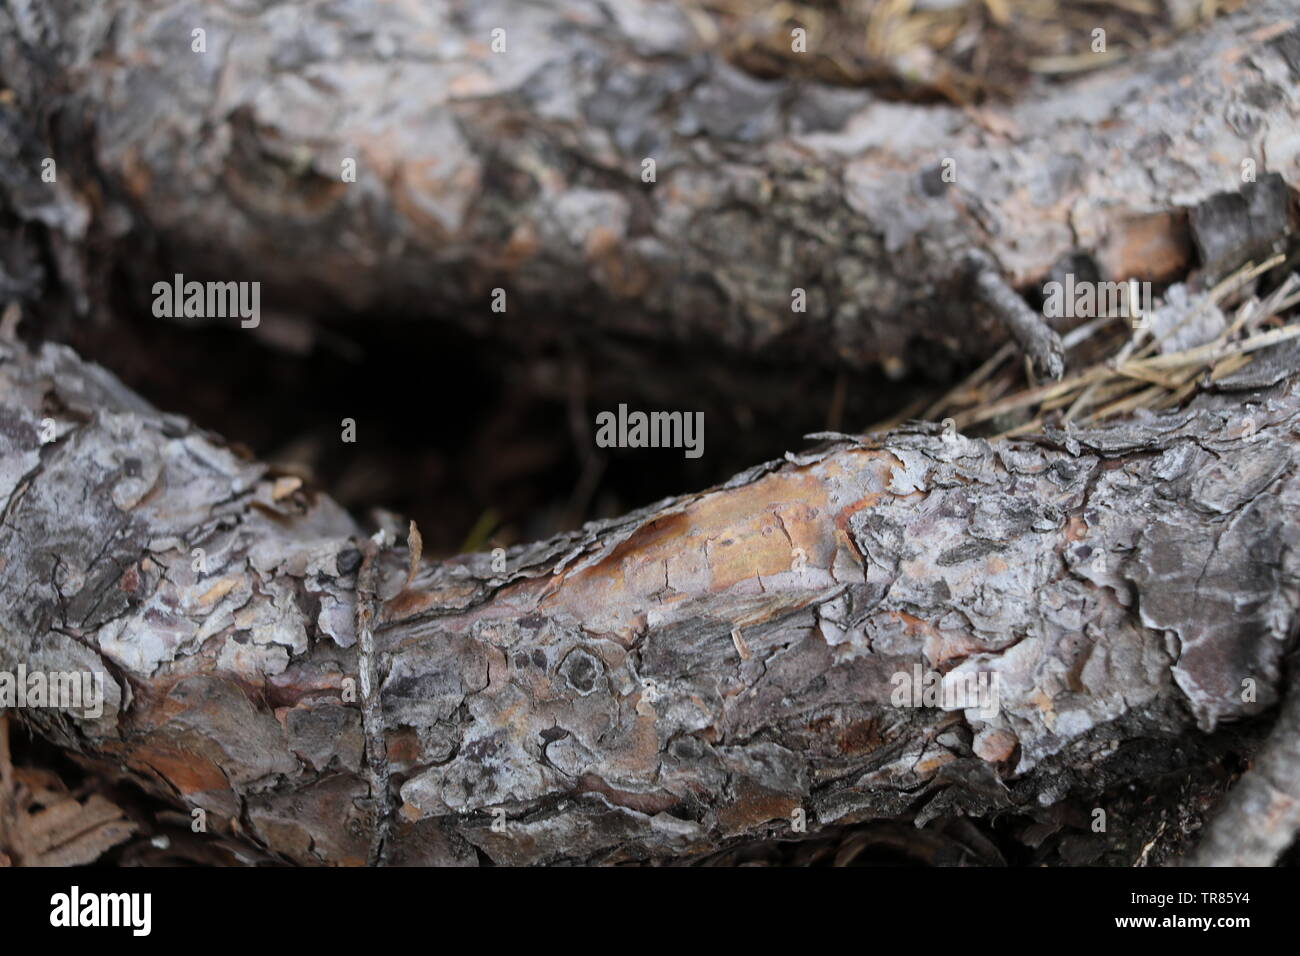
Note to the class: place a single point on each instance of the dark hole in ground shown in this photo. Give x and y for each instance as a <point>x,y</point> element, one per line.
<point>481,441</point>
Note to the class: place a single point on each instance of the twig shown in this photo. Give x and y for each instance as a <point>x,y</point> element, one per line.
<point>976,378</point>
<point>1077,336</point>
<point>372,714</point>
<point>1213,351</point>
<point>1124,405</point>
<point>909,412</point>
<point>1040,343</point>
<point>1032,396</point>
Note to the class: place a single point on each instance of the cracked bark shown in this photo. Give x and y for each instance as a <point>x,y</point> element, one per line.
<point>523,169</point>
<point>1122,583</point>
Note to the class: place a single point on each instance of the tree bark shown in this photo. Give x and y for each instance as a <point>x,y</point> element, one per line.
<point>711,669</point>
<point>522,169</point>
<point>716,668</point>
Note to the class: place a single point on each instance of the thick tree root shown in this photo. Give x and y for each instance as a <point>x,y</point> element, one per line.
<point>927,626</point>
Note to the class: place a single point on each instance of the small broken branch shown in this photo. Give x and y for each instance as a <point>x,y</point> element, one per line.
<point>1041,344</point>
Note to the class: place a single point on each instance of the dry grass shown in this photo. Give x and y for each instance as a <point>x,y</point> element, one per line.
<point>961,50</point>
<point>1120,368</point>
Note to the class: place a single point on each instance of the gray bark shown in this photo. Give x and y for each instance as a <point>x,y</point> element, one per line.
<point>656,687</point>
<point>522,169</point>
<point>712,668</point>
<point>1261,817</point>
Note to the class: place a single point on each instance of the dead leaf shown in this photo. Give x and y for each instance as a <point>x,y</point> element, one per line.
<point>42,823</point>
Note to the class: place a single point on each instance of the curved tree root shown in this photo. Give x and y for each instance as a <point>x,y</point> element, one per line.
<point>909,626</point>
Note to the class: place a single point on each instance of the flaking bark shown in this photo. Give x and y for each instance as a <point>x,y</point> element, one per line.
<point>590,699</point>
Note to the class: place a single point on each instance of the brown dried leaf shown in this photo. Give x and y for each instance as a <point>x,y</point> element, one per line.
<point>42,823</point>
